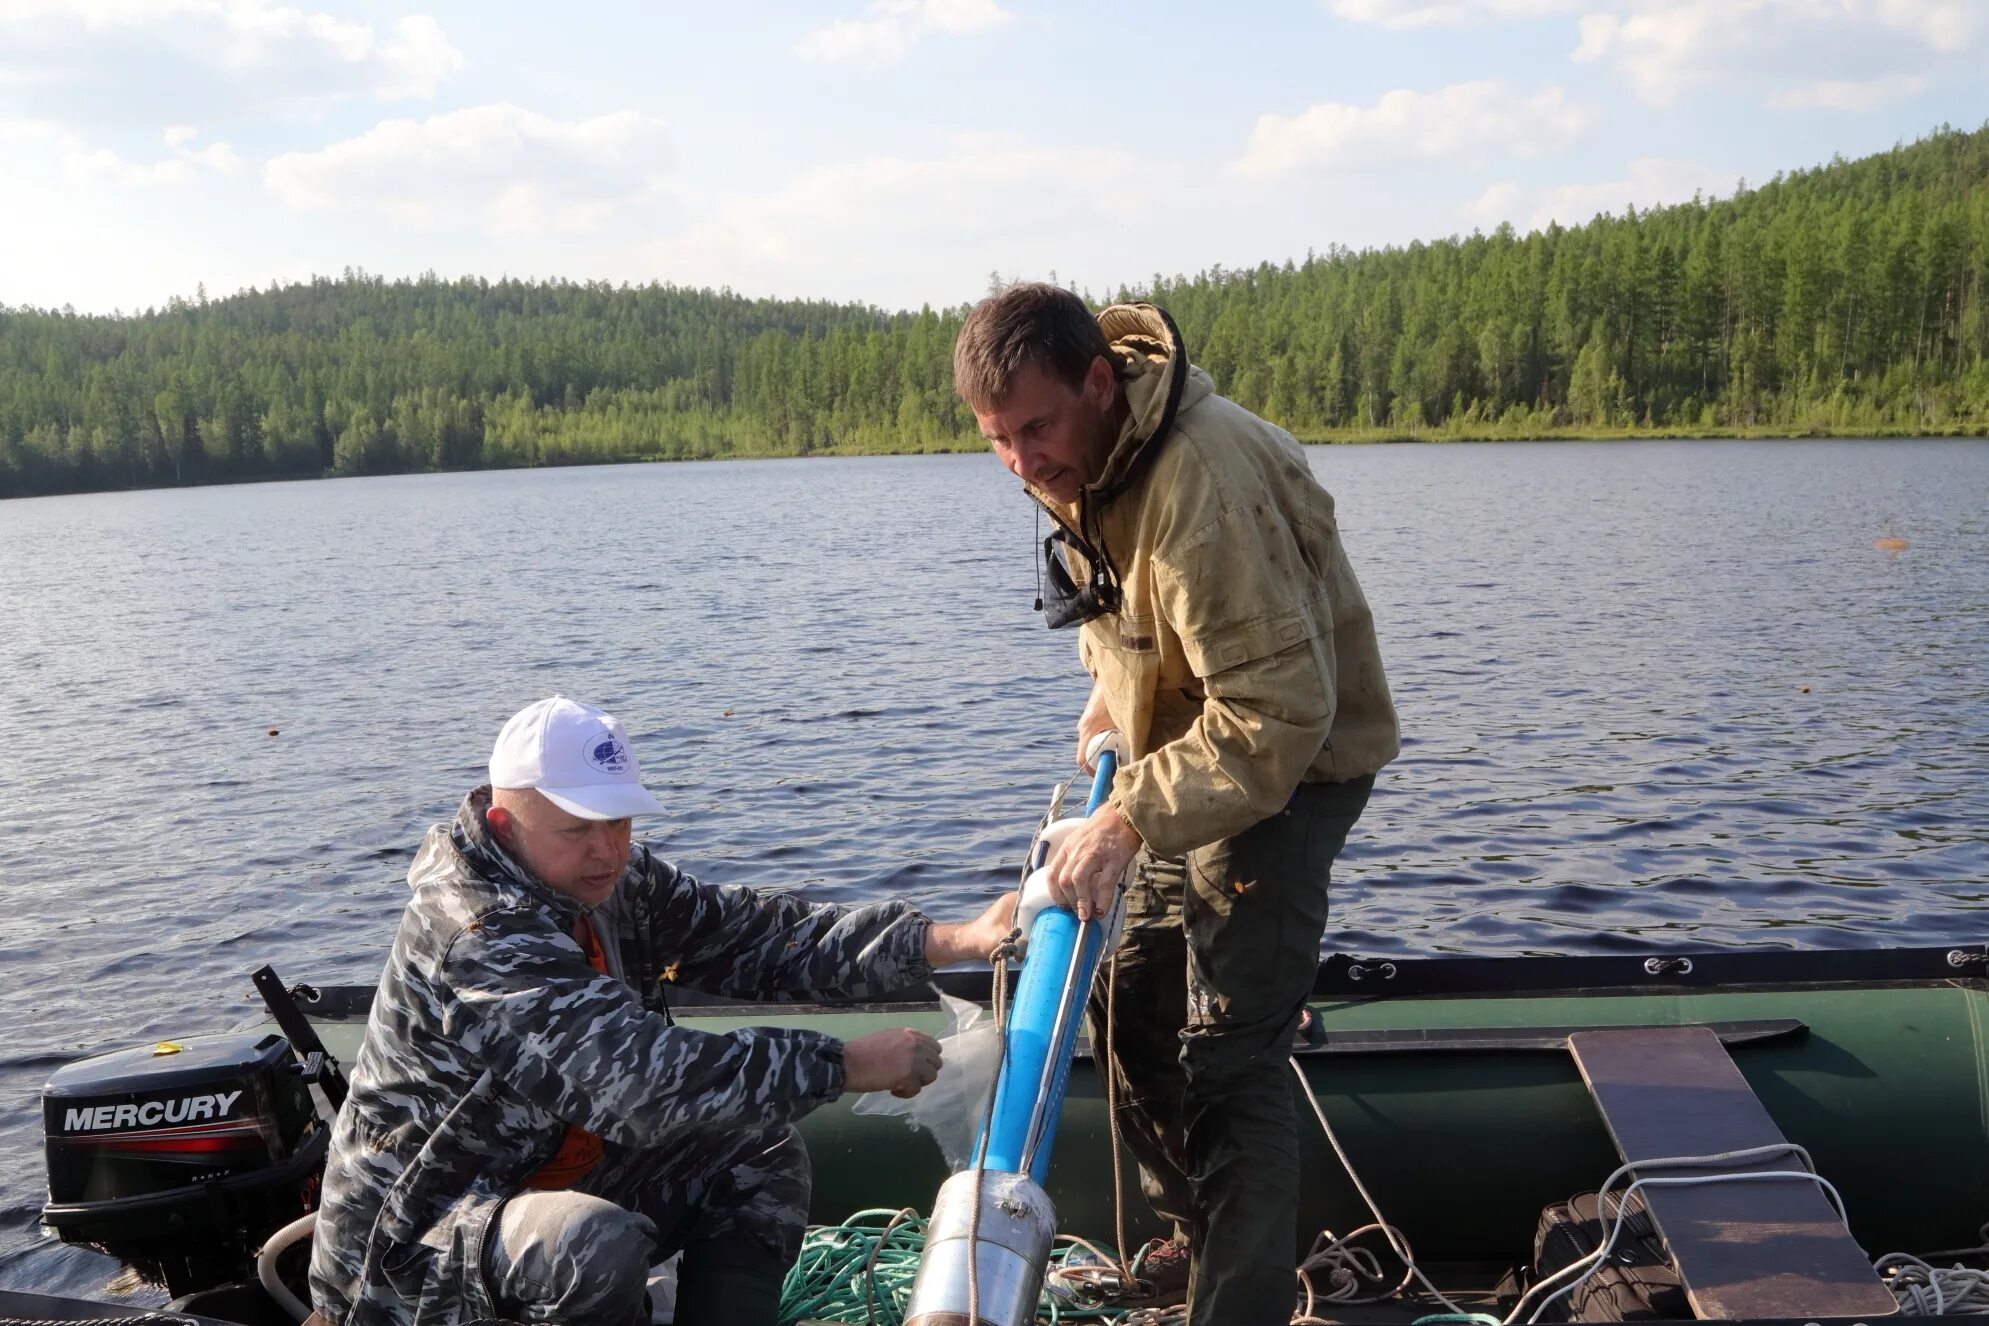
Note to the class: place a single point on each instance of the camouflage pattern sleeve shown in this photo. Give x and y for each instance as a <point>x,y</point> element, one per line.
<point>582,1046</point>
<point>736,941</point>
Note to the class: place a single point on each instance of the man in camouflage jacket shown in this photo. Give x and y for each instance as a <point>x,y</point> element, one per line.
<point>522,1011</point>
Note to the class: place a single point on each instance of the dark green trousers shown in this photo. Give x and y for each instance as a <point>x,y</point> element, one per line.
<point>1216,964</point>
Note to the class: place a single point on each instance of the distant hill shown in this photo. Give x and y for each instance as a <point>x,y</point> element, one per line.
<point>1847,298</point>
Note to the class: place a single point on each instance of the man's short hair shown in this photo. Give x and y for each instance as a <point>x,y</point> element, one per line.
<point>1031,322</point>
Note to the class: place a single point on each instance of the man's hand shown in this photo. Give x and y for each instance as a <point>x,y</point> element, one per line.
<point>970,941</point>
<point>901,1061</point>
<point>1095,719</point>
<point>1085,871</point>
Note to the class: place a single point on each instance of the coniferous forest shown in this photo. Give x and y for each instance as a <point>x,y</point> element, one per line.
<point>1848,299</point>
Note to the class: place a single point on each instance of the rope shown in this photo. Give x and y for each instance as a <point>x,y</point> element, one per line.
<point>136,1319</point>
<point>859,1272</point>
<point>1979,1250</point>
<point>1353,1275</point>
<point>870,1264</point>
<point>1926,1290</point>
<point>1395,1238</point>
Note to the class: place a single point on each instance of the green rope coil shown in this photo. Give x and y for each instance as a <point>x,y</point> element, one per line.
<point>861,1272</point>
<point>858,1271</point>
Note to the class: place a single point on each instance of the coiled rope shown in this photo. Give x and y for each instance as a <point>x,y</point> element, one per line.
<point>1926,1290</point>
<point>861,1271</point>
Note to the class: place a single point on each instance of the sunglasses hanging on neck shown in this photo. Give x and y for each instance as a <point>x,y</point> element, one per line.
<point>1062,601</point>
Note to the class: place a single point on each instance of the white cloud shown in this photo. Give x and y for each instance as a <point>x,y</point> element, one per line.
<point>1462,120</point>
<point>905,230</point>
<point>1449,13</point>
<point>148,62</point>
<point>1665,47</point>
<point>892,28</point>
<point>65,156</point>
<point>510,171</point>
<point>1820,54</point>
<point>1850,96</point>
<point>101,166</point>
<point>73,230</point>
<point>1649,182</point>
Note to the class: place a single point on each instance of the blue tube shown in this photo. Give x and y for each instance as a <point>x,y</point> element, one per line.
<point>1101,783</point>
<point>1063,957</point>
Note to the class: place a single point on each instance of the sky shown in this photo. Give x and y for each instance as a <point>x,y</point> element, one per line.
<point>900,152</point>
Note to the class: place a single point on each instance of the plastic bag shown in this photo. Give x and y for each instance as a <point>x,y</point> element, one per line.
<point>951,1109</point>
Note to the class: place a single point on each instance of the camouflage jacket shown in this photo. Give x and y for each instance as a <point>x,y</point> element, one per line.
<point>490,1033</point>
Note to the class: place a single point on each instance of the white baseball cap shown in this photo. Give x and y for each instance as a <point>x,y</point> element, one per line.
<point>574,756</point>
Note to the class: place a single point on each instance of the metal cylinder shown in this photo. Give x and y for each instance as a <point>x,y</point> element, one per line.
<point>1009,1251</point>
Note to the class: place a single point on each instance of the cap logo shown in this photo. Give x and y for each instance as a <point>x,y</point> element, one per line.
<point>608,754</point>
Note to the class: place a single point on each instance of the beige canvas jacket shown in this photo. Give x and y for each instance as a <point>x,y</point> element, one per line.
<point>1242,658</point>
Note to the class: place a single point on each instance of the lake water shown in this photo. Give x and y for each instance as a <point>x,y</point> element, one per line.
<point>1653,695</point>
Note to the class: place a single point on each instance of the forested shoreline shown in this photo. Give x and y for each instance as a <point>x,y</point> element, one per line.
<point>1849,298</point>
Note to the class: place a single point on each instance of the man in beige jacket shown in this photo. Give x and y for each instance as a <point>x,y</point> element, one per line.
<point>1232,648</point>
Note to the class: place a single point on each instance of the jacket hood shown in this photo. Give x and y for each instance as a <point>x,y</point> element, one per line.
<point>467,849</point>
<point>1159,382</point>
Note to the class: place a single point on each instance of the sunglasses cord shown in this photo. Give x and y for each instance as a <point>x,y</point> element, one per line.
<point>1039,565</point>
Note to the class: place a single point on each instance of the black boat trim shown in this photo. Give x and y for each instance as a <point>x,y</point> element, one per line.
<point>1348,976</point>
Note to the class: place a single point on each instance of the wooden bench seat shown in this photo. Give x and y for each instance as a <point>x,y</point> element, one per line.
<point>1773,1248</point>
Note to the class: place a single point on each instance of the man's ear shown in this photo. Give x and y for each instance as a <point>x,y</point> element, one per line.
<point>503,826</point>
<point>1100,380</point>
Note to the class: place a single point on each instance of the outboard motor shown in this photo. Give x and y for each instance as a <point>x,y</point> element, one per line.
<point>180,1158</point>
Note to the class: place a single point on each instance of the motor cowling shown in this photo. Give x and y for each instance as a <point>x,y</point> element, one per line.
<point>179,1159</point>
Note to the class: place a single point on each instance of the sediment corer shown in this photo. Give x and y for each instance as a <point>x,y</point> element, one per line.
<point>992,1225</point>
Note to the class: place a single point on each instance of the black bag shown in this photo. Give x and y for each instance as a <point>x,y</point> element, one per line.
<point>1636,1283</point>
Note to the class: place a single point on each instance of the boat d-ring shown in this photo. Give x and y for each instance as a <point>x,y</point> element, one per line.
<point>1668,966</point>
<point>1384,971</point>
